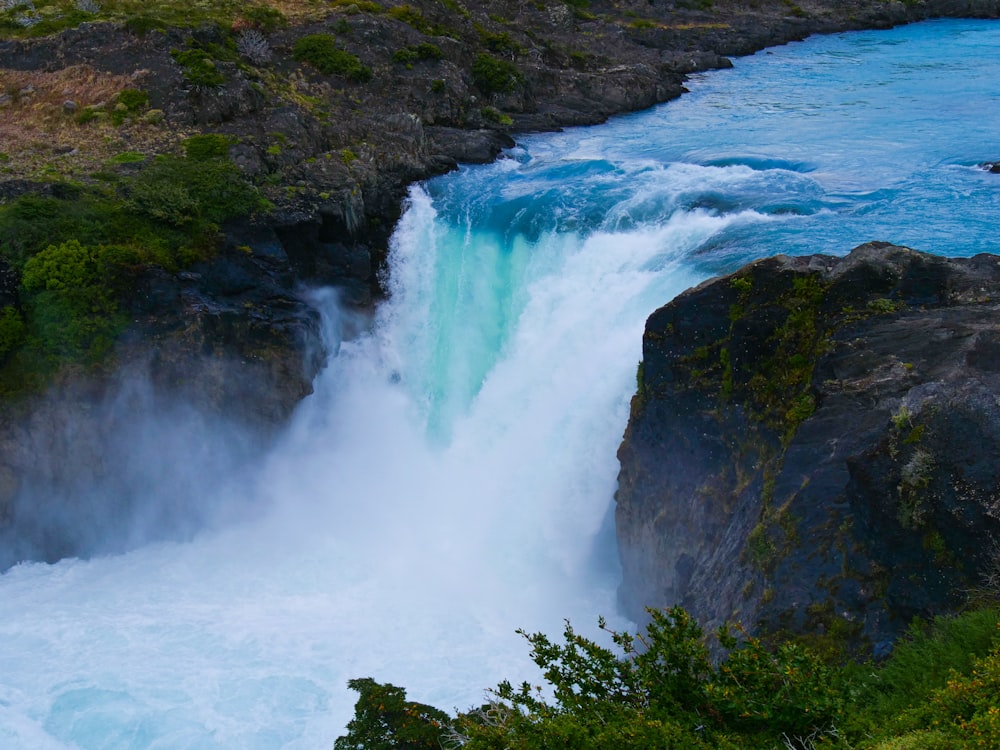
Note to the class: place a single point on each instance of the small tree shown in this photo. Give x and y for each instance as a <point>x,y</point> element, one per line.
<point>385,720</point>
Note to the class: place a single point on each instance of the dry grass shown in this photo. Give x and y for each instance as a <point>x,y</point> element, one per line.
<point>35,126</point>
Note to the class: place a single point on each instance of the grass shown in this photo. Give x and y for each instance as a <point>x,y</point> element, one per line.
<point>35,127</point>
<point>52,16</point>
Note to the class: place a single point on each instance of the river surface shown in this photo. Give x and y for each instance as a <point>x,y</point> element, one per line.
<point>452,478</point>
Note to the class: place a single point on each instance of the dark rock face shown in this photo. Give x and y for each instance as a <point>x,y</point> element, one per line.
<point>814,445</point>
<point>214,361</point>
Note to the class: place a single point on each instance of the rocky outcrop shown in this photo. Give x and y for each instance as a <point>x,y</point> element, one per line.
<point>333,155</point>
<point>213,362</point>
<point>813,445</point>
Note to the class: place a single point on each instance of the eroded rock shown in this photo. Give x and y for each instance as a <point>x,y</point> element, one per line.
<point>814,445</point>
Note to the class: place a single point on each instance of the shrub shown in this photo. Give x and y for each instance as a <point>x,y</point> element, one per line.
<point>321,51</point>
<point>494,115</point>
<point>264,17</point>
<point>128,102</point>
<point>134,100</point>
<point>198,67</point>
<point>409,15</point>
<point>931,654</point>
<point>493,76</point>
<point>127,157</point>
<point>187,193</point>
<point>659,689</point>
<point>72,291</point>
<point>499,42</point>
<point>207,146</point>
<point>143,24</point>
<point>355,6</point>
<point>385,720</point>
<point>11,331</point>
<point>254,47</point>
<point>87,114</point>
<point>422,51</point>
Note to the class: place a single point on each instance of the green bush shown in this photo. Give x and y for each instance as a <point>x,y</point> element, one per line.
<point>924,662</point>
<point>264,17</point>
<point>191,193</point>
<point>127,157</point>
<point>198,67</point>
<point>142,24</point>
<point>11,331</point>
<point>133,99</point>
<point>321,51</point>
<point>422,51</point>
<point>660,689</point>
<point>493,76</point>
<point>72,292</point>
<point>87,114</point>
<point>205,146</point>
<point>411,16</point>
<point>385,720</point>
<point>499,42</point>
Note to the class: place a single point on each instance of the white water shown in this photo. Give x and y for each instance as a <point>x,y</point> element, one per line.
<point>429,499</point>
<point>451,478</point>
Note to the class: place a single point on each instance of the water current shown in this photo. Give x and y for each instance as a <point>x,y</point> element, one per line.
<point>452,477</point>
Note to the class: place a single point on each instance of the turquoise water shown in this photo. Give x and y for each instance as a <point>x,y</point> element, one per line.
<point>451,478</point>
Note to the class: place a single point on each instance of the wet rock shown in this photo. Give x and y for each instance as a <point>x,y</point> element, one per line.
<point>452,145</point>
<point>813,446</point>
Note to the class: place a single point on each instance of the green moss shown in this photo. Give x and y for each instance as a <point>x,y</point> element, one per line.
<point>915,478</point>
<point>884,306</point>
<point>727,372</point>
<point>362,6</point>
<point>455,7</point>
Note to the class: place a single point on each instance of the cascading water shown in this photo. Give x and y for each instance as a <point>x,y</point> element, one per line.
<point>451,478</point>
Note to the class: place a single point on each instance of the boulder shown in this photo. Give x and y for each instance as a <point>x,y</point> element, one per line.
<point>813,445</point>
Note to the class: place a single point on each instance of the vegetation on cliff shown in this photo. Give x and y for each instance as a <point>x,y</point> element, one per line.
<point>662,689</point>
<point>77,248</point>
<point>326,109</point>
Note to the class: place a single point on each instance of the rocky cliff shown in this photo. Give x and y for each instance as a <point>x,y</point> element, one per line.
<point>813,445</point>
<point>329,112</point>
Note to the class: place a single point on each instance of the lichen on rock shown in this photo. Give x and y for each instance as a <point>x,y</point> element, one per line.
<point>813,450</point>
